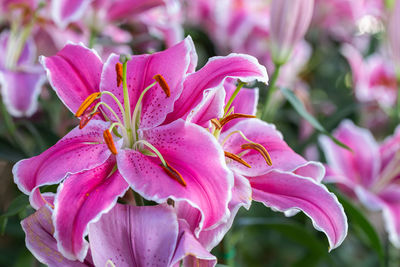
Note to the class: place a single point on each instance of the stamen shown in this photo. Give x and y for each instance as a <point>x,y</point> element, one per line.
<point>236,158</point>
<point>259,148</point>
<point>235,116</point>
<point>216,123</point>
<point>88,101</point>
<point>119,71</point>
<point>110,142</point>
<point>86,117</point>
<point>163,83</point>
<point>173,173</point>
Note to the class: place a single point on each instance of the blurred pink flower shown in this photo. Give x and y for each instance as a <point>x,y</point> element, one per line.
<point>374,78</point>
<point>21,78</point>
<point>394,34</point>
<point>290,20</point>
<point>344,18</point>
<point>369,173</point>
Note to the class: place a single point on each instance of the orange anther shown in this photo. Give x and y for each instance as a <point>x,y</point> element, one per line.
<point>110,142</point>
<point>235,116</point>
<point>161,81</point>
<point>236,158</point>
<point>85,118</point>
<point>118,70</point>
<point>216,123</point>
<point>174,174</point>
<point>260,149</point>
<point>88,101</point>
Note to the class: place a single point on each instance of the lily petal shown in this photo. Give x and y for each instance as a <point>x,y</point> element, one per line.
<point>79,150</point>
<point>213,75</point>
<point>241,197</point>
<point>39,240</point>
<point>284,191</point>
<point>391,212</point>
<point>134,236</point>
<point>173,64</point>
<point>282,156</point>
<point>190,250</point>
<point>361,165</point>
<point>74,73</point>
<point>197,156</point>
<point>81,200</point>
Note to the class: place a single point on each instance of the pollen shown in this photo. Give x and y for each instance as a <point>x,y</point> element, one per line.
<point>236,158</point>
<point>260,149</point>
<point>119,71</point>
<point>110,142</point>
<point>88,101</point>
<point>173,173</point>
<point>161,81</point>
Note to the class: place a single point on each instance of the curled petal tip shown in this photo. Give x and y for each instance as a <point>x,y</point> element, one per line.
<point>161,81</point>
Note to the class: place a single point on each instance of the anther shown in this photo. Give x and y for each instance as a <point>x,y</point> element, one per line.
<point>110,142</point>
<point>161,81</point>
<point>119,71</point>
<point>234,116</point>
<point>86,117</point>
<point>260,149</point>
<point>173,173</point>
<point>88,101</point>
<point>216,123</point>
<point>236,158</point>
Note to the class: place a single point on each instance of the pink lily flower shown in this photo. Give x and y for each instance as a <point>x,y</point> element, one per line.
<point>374,78</point>
<point>289,22</point>
<point>265,168</point>
<point>158,158</point>
<point>122,237</point>
<point>370,173</point>
<point>21,79</point>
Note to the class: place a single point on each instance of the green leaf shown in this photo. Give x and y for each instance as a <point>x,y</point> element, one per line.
<point>299,107</point>
<point>19,204</point>
<point>293,231</point>
<point>357,219</point>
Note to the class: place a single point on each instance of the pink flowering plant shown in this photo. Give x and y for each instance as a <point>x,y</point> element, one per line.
<point>199,133</point>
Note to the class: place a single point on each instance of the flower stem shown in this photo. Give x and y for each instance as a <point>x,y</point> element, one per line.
<point>271,91</point>
<point>237,90</point>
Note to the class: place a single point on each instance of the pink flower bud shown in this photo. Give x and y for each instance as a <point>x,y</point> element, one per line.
<point>289,22</point>
<point>394,34</point>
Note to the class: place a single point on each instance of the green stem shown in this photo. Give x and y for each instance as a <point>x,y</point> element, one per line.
<point>8,120</point>
<point>237,90</point>
<point>271,91</point>
<point>127,104</point>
